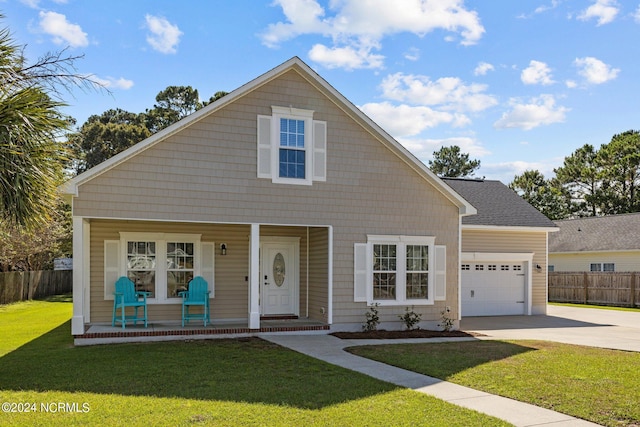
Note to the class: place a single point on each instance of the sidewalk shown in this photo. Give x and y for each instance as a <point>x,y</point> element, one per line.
<point>330,349</point>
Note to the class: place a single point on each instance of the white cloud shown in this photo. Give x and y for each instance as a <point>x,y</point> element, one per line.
<point>33,4</point>
<point>345,57</point>
<point>450,93</point>
<point>359,26</point>
<point>604,11</point>
<point>413,54</point>
<point>595,71</point>
<point>164,35</point>
<point>571,84</point>
<point>636,15</point>
<point>405,120</point>
<point>536,73</point>
<point>544,8</point>
<point>63,32</point>
<point>113,83</point>
<point>483,68</point>
<point>538,112</point>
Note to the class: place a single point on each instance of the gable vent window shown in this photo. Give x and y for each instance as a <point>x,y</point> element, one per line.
<point>292,147</point>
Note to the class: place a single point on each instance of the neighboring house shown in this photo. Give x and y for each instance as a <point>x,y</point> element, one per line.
<point>291,203</point>
<point>604,243</point>
<point>504,251</point>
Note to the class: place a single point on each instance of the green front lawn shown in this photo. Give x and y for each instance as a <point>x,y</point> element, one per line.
<point>599,385</point>
<point>213,382</point>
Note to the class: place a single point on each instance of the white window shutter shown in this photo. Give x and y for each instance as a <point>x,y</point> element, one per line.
<point>264,146</point>
<point>440,292</point>
<point>207,270</point>
<point>111,267</point>
<point>360,272</point>
<point>319,150</point>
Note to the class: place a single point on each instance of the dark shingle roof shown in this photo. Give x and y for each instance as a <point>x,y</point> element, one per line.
<point>603,233</point>
<point>497,204</point>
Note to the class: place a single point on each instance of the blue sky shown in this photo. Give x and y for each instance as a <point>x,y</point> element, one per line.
<point>517,84</point>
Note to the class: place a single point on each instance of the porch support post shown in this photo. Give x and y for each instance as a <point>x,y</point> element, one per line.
<point>81,231</point>
<point>254,278</point>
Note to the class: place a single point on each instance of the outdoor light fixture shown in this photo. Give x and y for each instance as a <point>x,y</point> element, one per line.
<point>223,249</point>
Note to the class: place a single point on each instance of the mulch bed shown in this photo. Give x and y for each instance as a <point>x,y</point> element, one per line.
<point>416,333</point>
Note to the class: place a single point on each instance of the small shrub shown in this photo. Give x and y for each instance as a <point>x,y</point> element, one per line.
<point>373,320</point>
<point>410,319</point>
<point>446,323</point>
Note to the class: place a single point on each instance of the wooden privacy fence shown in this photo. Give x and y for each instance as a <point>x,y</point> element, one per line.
<point>26,285</point>
<point>617,289</point>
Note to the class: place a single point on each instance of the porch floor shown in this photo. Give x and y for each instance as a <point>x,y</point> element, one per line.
<point>103,333</point>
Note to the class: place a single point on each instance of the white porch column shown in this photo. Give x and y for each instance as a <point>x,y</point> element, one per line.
<point>254,277</point>
<point>81,231</point>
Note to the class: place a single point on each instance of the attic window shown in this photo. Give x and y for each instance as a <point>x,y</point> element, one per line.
<point>292,147</point>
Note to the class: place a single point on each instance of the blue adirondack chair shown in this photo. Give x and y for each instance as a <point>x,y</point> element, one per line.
<point>197,295</point>
<point>126,296</point>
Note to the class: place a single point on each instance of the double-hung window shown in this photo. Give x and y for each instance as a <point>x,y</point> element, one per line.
<point>292,153</point>
<point>159,263</point>
<point>395,270</point>
<point>292,147</point>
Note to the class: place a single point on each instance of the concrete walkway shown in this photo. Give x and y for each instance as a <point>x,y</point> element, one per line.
<point>331,349</point>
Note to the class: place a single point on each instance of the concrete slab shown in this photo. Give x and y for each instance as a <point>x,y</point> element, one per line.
<point>572,325</point>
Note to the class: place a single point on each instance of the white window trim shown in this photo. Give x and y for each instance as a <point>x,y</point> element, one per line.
<point>296,114</point>
<point>602,270</point>
<point>401,243</point>
<point>268,146</point>
<point>161,240</point>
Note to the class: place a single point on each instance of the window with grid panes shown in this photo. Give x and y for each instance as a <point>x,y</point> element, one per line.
<point>384,271</point>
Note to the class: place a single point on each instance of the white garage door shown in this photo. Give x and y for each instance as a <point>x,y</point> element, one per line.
<point>493,289</point>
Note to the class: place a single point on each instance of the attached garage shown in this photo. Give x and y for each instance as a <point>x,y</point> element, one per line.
<point>503,260</point>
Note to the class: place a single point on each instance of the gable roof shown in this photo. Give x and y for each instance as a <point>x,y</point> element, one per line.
<point>600,233</point>
<point>497,205</point>
<point>70,188</point>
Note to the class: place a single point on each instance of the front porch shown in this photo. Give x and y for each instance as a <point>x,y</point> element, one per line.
<point>104,333</point>
<point>257,273</point>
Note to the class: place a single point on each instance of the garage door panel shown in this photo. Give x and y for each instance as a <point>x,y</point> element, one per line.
<point>493,289</point>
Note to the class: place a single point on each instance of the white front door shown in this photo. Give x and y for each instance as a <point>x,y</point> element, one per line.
<point>279,278</point>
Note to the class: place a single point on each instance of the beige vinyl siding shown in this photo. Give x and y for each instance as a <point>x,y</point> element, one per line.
<point>623,260</point>
<point>207,173</point>
<point>318,274</point>
<point>515,242</point>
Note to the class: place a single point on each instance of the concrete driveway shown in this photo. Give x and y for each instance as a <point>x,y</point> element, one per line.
<point>573,325</point>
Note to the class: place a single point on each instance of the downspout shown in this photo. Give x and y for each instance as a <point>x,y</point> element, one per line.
<point>458,268</point>
<point>307,270</point>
